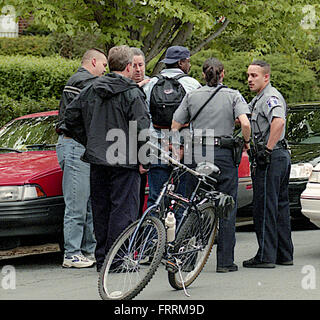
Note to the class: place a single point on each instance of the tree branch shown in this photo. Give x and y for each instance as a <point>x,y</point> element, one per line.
<point>210,38</point>
<point>180,38</point>
<point>160,42</point>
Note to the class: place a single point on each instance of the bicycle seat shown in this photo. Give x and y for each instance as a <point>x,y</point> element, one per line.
<point>207,168</point>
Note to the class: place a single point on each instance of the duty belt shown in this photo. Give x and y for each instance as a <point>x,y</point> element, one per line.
<point>282,144</point>
<point>214,141</point>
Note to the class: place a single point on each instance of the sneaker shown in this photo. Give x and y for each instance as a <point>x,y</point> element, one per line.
<point>77,261</point>
<point>90,256</point>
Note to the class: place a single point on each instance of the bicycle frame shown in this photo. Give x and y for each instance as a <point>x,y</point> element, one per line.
<point>165,191</point>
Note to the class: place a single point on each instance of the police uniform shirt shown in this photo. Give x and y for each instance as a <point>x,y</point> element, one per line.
<point>269,103</point>
<point>219,114</point>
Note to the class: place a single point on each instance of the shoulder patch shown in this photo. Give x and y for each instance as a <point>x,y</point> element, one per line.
<point>273,102</point>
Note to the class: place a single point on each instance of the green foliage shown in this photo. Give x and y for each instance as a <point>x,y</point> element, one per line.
<point>26,45</point>
<point>33,77</point>
<point>51,45</point>
<point>11,108</point>
<point>269,26</point>
<point>73,47</point>
<point>291,76</point>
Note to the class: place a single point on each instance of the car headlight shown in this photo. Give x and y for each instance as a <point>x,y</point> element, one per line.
<point>315,176</point>
<point>301,171</point>
<point>20,193</point>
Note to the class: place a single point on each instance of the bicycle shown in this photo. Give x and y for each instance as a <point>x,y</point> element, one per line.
<point>137,253</point>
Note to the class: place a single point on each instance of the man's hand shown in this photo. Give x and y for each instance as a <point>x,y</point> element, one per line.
<point>264,157</point>
<point>142,170</point>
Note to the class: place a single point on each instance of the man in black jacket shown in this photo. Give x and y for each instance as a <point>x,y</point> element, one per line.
<point>104,118</point>
<point>79,241</point>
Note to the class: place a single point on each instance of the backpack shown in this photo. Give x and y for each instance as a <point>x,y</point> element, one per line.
<point>165,98</point>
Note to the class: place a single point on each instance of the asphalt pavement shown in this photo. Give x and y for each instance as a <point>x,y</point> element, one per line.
<point>41,277</point>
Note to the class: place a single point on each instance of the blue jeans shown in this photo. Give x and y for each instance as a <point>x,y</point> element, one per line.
<point>78,225</point>
<point>157,176</point>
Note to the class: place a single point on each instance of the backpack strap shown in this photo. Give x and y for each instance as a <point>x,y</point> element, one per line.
<point>179,76</point>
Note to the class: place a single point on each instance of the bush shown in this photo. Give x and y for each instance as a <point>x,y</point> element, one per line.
<point>27,45</point>
<point>291,76</point>
<point>71,47</point>
<point>34,77</point>
<point>11,108</point>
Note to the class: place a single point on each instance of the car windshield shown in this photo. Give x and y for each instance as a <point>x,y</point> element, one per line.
<point>29,133</point>
<point>303,125</point>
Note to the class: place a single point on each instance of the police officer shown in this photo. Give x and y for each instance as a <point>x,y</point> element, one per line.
<point>270,172</point>
<point>219,114</point>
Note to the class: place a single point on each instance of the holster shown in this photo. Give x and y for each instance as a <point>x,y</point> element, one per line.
<point>237,149</point>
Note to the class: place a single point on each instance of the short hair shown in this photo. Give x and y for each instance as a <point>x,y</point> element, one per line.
<point>138,52</point>
<point>212,69</point>
<point>119,57</point>
<point>263,64</point>
<point>90,54</point>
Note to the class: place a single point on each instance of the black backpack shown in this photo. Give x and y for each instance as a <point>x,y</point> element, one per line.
<point>165,98</point>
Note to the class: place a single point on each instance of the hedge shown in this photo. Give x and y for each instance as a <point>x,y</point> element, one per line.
<point>27,45</point>
<point>11,108</point>
<point>291,76</point>
<point>71,47</point>
<point>37,78</point>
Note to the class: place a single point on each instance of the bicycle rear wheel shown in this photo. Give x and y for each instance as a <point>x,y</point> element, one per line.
<point>123,274</point>
<point>194,251</point>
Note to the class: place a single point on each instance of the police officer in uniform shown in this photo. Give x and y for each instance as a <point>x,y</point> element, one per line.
<point>219,114</point>
<point>270,162</point>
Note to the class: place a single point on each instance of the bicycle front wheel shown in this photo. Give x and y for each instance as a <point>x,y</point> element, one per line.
<point>132,260</point>
<point>193,249</point>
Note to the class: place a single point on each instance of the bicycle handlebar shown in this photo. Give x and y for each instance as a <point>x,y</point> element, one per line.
<point>179,164</point>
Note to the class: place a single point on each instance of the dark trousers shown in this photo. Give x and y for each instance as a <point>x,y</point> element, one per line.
<point>143,184</point>
<point>115,204</point>
<point>227,183</point>
<point>271,212</point>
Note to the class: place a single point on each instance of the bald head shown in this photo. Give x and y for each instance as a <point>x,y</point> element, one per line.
<point>95,61</point>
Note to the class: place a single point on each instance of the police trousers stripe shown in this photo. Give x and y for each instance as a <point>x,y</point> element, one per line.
<point>264,211</point>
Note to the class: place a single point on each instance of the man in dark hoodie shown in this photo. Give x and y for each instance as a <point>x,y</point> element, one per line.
<point>102,119</point>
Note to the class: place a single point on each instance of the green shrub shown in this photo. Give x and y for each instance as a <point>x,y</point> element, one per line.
<point>11,108</point>
<point>27,45</point>
<point>34,77</point>
<point>291,76</point>
<point>71,47</point>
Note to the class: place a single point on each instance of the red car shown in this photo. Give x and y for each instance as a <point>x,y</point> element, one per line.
<point>31,200</point>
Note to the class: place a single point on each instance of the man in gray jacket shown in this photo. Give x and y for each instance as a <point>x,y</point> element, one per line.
<point>79,241</point>
<point>177,61</point>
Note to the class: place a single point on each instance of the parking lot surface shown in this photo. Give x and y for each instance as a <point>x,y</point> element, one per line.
<point>41,277</point>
